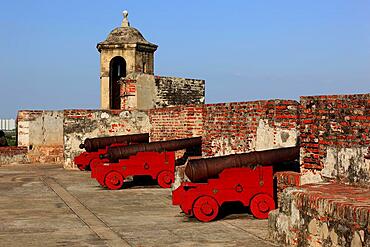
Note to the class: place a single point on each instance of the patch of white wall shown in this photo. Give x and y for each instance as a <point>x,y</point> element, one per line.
<point>347,164</point>
<point>44,129</point>
<point>274,137</point>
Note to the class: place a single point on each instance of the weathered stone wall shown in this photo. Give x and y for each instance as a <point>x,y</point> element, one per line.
<point>334,137</point>
<point>171,91</point>
<point>82,124</point>
<point>249,126</point>
<point>143,92</point>
<point>42,133</point>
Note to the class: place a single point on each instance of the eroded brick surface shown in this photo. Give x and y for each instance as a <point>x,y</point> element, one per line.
<point>334,137</point>
<point>248,126</point>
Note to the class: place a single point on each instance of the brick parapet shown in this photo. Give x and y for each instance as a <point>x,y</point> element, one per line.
<point>326,214</point>
<point>13,150</point>
<point>13,155</point>
<point>232,127</point>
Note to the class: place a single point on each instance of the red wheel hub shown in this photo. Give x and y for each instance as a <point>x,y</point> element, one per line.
<point>261,205</point>
<point>165,179</point>
<point>114,180</point>
<point>205,208</point>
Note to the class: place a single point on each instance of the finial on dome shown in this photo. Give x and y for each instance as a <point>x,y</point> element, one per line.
<point>125,22</point>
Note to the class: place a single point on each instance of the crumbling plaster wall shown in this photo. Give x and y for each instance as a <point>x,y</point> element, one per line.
<point>334,137</point>
<point>82,124</point>
<point>42,133</point>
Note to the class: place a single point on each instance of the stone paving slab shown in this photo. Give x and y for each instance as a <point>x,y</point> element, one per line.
<point>46,205</point>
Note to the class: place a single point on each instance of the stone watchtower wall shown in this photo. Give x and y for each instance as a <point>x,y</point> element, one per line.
<point>143,92</point>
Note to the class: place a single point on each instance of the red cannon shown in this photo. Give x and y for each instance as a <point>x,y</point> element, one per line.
<point>251,186</point>
<point>245,178</point>
<point>97,146</point>
<point>155,159</point>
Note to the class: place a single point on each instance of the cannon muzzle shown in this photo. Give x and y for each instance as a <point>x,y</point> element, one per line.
<point>116,153</point>
<point>367,156</point>
<point>199,170</point>
<point>93,144</point>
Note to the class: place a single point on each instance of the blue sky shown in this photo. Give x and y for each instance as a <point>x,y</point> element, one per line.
<point>245,50</point>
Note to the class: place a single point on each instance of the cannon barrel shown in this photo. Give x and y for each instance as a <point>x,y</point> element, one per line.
<point>202,169</point>
<point>93,144</point>
<point>116,153</point>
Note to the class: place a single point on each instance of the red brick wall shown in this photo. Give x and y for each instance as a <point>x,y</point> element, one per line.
<point>9,151</point>
<point>10,155</point>
<point>341,121</point>
<point>232,127</point>
<point>176,122</point>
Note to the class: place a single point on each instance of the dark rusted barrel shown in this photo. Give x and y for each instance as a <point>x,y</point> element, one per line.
<point>93,144</point>
<point>367,156</point>
<point>116,153</point>
<point>202,169</point>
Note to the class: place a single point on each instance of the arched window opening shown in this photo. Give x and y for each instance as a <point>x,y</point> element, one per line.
<point>144,67</point>
<point>117,70</point>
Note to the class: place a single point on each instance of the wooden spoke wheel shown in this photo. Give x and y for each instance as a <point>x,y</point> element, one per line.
<point>205,208</point>
<point>114,180</point>
<point>165,179</point>
<point>261,205</point>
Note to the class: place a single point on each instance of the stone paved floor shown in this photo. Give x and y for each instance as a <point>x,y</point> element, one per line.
<point>49,206</point>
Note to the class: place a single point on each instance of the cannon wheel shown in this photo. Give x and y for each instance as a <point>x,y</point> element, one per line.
<point>165,179</point>
<point>205,208</point>
<point>261,205</point>
<point>114,180</point>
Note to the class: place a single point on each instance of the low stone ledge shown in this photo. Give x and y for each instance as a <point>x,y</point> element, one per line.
<point>285,179</point>
<point>326,214</point>
<point>13,155</point>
